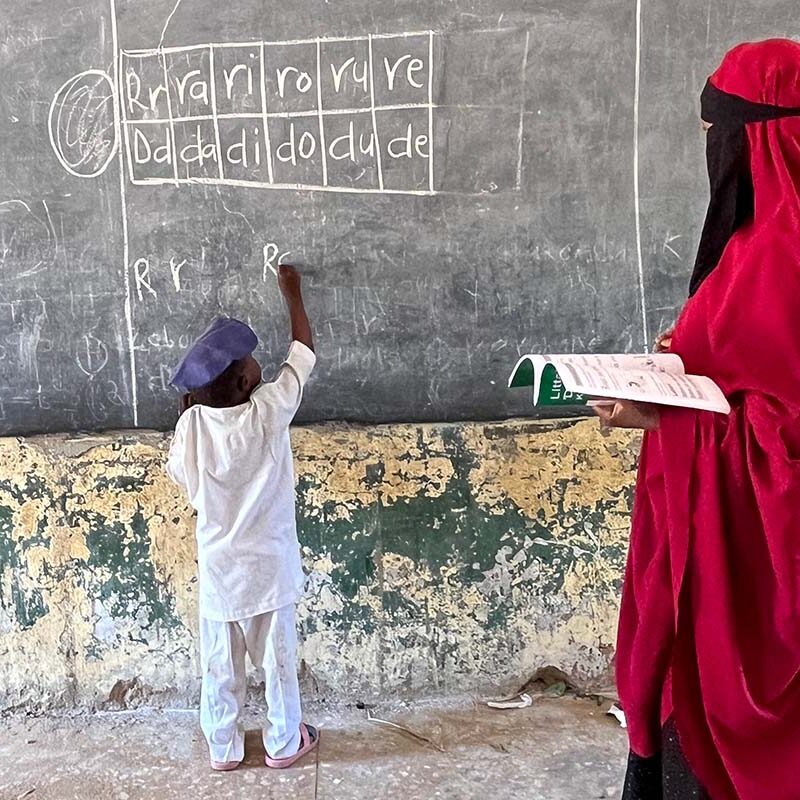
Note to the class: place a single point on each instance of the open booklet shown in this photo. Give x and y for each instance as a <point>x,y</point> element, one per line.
<point>585,380</point>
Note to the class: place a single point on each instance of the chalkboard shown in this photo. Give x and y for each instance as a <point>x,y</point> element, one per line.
<point>461,182</point>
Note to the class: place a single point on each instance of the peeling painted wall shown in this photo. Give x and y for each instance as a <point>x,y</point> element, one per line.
<point>439,558</point>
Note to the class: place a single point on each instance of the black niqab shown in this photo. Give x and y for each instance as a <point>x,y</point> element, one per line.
<point>731,203</point>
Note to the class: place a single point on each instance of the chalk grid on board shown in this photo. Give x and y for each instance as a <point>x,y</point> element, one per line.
<point>188,79</point>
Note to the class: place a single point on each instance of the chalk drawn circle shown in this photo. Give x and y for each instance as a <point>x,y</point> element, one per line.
<point>83,132</point>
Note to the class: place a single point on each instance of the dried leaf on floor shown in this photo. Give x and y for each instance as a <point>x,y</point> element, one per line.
<point>618,714</point>
<point>523,700</point>
<point>407,731</point>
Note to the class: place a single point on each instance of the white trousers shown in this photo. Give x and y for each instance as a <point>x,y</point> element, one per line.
<point>271,642</point>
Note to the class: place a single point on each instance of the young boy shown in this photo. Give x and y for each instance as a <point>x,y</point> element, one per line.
<point>231,454</point>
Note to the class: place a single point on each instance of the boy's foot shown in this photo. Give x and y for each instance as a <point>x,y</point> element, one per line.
<point>309,739</point>
<point>224,766</point>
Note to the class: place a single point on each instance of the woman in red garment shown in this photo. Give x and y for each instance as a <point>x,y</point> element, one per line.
<point>708,656</point>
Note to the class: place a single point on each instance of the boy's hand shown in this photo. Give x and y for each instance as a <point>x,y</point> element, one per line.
<point>627,414</point>
<point>289,282</point>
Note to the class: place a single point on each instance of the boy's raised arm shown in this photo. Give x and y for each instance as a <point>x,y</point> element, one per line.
<point>289,283</point>
<point>285,393</point>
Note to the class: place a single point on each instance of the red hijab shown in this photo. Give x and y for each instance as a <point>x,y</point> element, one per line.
<point>710,622</point>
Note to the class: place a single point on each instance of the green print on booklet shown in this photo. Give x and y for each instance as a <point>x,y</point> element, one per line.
<point>553,393</point>
<point>551,389</point>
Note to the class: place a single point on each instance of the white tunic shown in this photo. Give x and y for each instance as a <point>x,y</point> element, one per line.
<point>236,467</point>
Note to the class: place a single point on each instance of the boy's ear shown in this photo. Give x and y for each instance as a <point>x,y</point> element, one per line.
<point>242,384</point>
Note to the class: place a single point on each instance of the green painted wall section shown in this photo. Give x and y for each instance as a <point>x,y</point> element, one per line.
<point>439,558</point>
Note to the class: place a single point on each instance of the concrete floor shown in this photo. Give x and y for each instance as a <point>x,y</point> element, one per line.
<point>559,749</point>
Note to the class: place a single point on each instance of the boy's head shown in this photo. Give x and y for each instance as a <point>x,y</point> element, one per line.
<point>219,369</point>
<point>232,387</point>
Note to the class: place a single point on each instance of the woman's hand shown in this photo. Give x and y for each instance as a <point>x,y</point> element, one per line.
<point>627,414</point>
<point>664,341</point>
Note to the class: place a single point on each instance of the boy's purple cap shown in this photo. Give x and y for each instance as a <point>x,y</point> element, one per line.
<point>224,341</point>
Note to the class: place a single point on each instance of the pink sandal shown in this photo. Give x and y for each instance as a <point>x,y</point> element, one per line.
<point>309,739</point>
<point>224,766</point>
